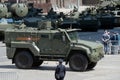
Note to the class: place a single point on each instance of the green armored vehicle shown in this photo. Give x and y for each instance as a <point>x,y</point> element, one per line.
<point>29,47</point>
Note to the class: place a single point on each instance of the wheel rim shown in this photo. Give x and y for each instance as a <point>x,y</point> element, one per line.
<point>23,60</point>
<point>78,63</point>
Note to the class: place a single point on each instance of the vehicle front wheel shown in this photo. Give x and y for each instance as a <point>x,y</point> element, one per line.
<point>78,62</point>
<point>23,60</point>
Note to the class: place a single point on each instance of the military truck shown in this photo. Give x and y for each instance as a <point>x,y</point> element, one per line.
<point>29,47</point>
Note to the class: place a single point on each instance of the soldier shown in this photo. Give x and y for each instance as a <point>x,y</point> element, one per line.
<point>60,71</point>
<point>106,42</point>
<point>115,43</point>
<point>75,9</point>
<point>52,13</point>
<point>75,14</point>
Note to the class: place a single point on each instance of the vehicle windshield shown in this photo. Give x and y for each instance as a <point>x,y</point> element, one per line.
<point>74,35</point>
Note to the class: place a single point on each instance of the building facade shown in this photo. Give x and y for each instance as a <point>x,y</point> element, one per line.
<point>60,3</point>
<point>47,4</point>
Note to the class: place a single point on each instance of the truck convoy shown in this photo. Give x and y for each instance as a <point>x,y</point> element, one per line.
<point>28,47</point>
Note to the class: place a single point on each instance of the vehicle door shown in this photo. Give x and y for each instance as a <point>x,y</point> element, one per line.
<point>44,43</point>
<point>60,44</point>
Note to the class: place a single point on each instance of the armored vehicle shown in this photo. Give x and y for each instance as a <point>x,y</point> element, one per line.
<point>107,21</point>
<point>29,47</point>
<point>108,11</point>
<point>117,18</point>
<point>89,23</point>
<point>34,15</point>
<point>85,23</point>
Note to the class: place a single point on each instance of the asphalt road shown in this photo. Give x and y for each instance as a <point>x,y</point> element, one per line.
<point>107,69</point>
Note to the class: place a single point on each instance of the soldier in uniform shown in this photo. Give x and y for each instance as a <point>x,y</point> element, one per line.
<point>75,14</point>
<point>106,42</point>
<point>60,71</point>
<point>52,13</point>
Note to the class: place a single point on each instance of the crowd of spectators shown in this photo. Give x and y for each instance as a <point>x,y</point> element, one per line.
<point>111,42</point>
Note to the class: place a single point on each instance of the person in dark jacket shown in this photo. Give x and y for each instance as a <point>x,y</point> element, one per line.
<point>60,71</point>
<point>106,42</point>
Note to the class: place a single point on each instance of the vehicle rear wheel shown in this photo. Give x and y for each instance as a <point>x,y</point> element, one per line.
<point>23,60</point>
<point>78,62</point>
<point>37,64</point>
<point>91,65</point>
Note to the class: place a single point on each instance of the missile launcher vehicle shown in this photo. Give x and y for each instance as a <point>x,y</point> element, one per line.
<point>19,10</point>
<point>11,14</point>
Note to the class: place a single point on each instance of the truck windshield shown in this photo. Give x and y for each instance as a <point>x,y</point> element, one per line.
<point>74,35</point>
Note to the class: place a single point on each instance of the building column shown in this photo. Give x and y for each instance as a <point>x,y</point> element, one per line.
<point>81,2</point>
<point>57,3</point>
<point>78,3</point>
<point>60,3</point>
<point>63,3</point>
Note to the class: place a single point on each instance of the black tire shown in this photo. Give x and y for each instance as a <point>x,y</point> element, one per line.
<point>78,62</point>
<point>37,64</point>
<point>23,60</point>
<point>91,65</point>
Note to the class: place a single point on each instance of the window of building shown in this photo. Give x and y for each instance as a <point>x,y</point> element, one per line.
<point>42,1</point>
<point>47,1</point>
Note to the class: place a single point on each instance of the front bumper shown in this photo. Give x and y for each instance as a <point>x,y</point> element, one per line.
<point>97,54</point>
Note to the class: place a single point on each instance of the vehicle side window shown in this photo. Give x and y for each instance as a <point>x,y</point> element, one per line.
<point>118,13</point>
<point>44,36</point>
<point>57,36</point>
